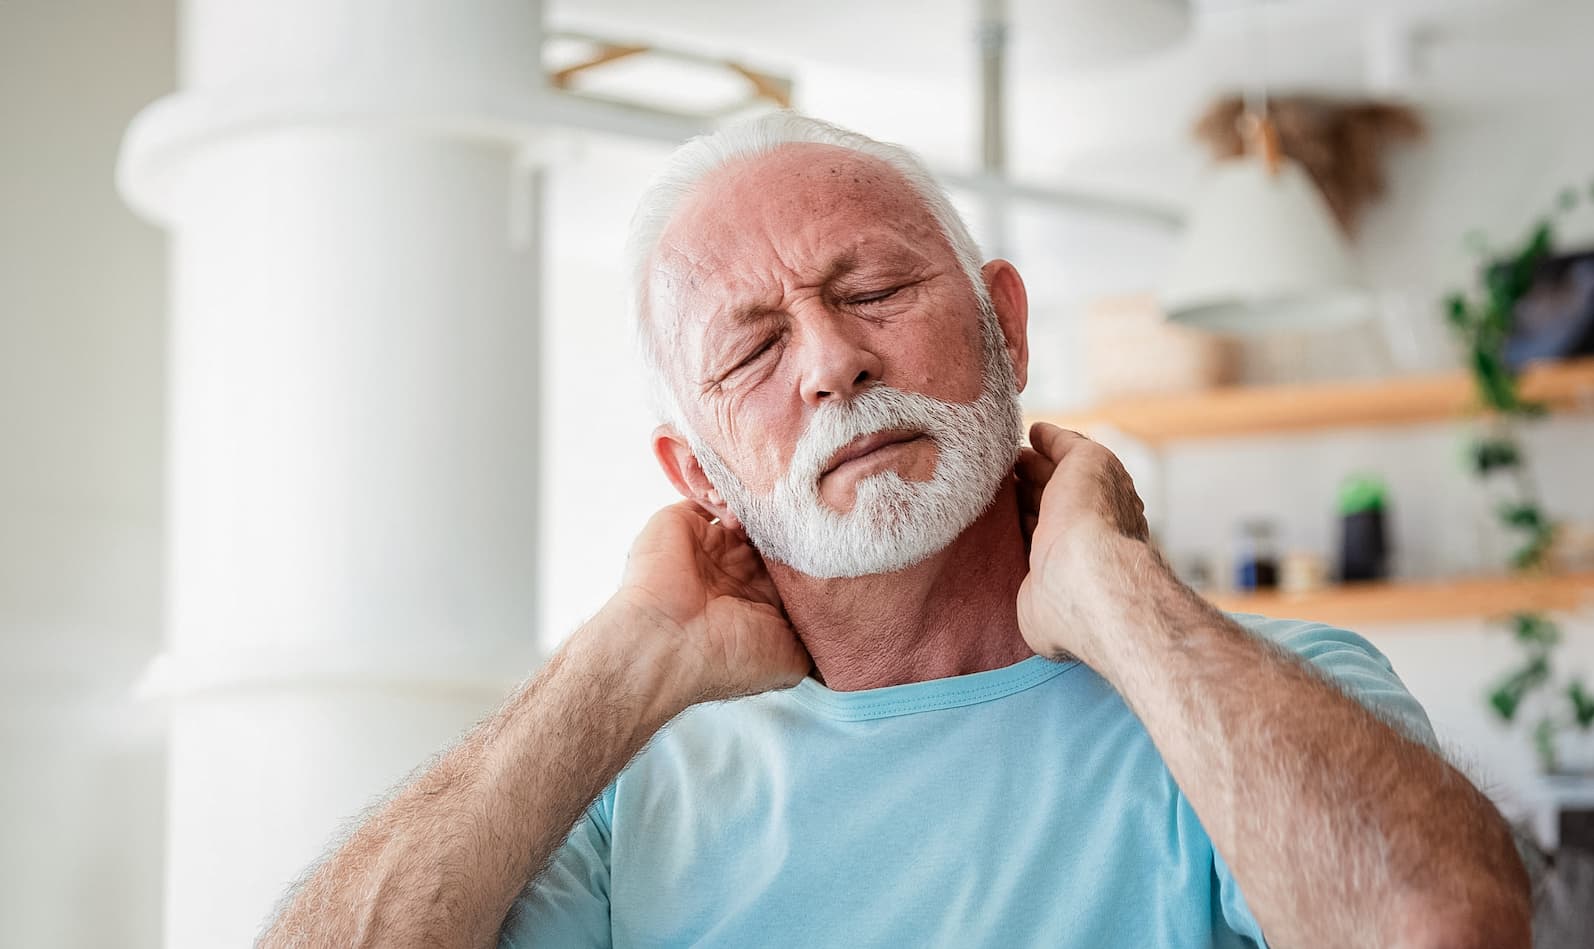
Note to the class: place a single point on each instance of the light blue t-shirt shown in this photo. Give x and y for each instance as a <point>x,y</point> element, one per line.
<point>1023,806</point>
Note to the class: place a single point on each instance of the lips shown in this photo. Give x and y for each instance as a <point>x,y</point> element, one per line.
<point>868,444</point>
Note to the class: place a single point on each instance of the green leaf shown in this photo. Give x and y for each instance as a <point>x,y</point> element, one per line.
<point>1539,244</point>
<point>1504,701</point>
<point>1489,454</point>
<point>1535,629</point>
<point>1544,743</point>
<point>1523,515</point>
<point>1531,554</point>
<point>1361,492</point>
<point>1507,696</point>
<point>1582,703</point>
<point>1495,385</point>
<point>1456,311</point>
<point>1502,301</point>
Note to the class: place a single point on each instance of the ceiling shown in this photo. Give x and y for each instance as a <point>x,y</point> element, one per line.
<point>905,69</point>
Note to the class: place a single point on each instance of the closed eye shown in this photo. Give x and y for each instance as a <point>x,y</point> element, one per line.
<point>755,355</point>
<point>875,297</point>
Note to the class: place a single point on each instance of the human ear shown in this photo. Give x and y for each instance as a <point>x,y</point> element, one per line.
<point>680,465</point>
<point>1011,302</point>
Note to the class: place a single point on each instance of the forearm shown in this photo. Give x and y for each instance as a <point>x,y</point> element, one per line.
<point>1339,830</point>
<point>441,863</point>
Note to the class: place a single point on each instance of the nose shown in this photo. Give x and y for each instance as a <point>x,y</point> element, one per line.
<point>837,362</point>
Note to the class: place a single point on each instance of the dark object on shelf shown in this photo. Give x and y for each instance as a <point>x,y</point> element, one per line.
<point>1256,564</point>
<point>1577,829</point>
<point>1554,319</point>
<point>1363,542</point>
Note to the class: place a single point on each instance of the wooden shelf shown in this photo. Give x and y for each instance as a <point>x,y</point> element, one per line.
<point>1409,602</point>
<point>1257,410</point>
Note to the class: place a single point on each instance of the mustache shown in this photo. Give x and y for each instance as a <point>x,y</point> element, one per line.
<point>836,425</point>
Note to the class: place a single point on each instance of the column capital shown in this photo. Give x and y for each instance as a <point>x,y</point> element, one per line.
<point>534,121</point>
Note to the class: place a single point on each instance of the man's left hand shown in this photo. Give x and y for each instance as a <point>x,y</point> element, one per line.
<point>1088,534</point>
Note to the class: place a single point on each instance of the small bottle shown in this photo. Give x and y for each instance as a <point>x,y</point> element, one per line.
<point>1256,565</point>
<point>1302,571</point>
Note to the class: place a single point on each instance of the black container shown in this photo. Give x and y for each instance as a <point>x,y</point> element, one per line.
<point>1364,546</point>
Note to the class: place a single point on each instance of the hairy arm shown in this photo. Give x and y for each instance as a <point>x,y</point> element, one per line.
<point>1340,830</point>
<point>441,863</point>
<point>697,618</point>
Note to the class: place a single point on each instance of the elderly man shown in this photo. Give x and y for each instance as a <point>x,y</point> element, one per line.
<point>972,705</point>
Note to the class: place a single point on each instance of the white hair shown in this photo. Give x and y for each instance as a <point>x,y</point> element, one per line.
<point>689,164</point>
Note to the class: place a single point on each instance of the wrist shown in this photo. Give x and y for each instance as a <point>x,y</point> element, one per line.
<point>1110,601</point>
<point>1116,574</point>
<point>635,652</point>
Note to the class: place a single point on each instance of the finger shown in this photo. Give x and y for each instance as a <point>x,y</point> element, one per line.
<point>1034,471</point>
<point>1054,442</point>
<point>1034,467</point>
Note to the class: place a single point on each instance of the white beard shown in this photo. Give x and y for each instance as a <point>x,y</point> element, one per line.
<point>894,523</point>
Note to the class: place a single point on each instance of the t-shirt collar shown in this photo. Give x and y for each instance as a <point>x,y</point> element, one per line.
<point>930,695</point>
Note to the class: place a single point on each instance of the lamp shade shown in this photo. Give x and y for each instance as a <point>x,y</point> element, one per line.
<point>1262,253</point>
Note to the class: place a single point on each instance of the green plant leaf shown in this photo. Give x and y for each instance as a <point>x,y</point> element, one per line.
<point>1523,515</point>
<point>1544,743</point>
<point>1539,243</point>
<point>1491,454</point>
<point>1535,629</point>
<point>1482,322</point>
<point>1495,385</point>
<point>1582,704</point>
<point>1507,696</point>
<point>1531,554</point>
<point>1504,701</point>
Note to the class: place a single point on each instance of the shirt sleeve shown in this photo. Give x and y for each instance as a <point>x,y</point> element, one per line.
<point>567,905</point>
<point>1361,672</point>
<point>1359,669</point>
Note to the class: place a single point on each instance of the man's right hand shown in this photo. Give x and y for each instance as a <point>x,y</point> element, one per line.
<point>700,590</point>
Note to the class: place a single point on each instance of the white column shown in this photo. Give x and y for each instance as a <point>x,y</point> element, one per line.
<point>353,409</point>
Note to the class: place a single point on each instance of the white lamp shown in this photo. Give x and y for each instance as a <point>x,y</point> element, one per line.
<point>1262,252</point>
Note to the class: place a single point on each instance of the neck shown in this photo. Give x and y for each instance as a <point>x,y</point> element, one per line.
<point>953,614</point>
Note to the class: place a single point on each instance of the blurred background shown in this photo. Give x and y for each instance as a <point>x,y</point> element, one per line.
<point>322,424</point>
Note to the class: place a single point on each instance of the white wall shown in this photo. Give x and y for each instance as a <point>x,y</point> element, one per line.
<point>82,340</point>
<point>600,480</point>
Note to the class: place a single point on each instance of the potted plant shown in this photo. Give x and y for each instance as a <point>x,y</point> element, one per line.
<point>1561,709</point>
